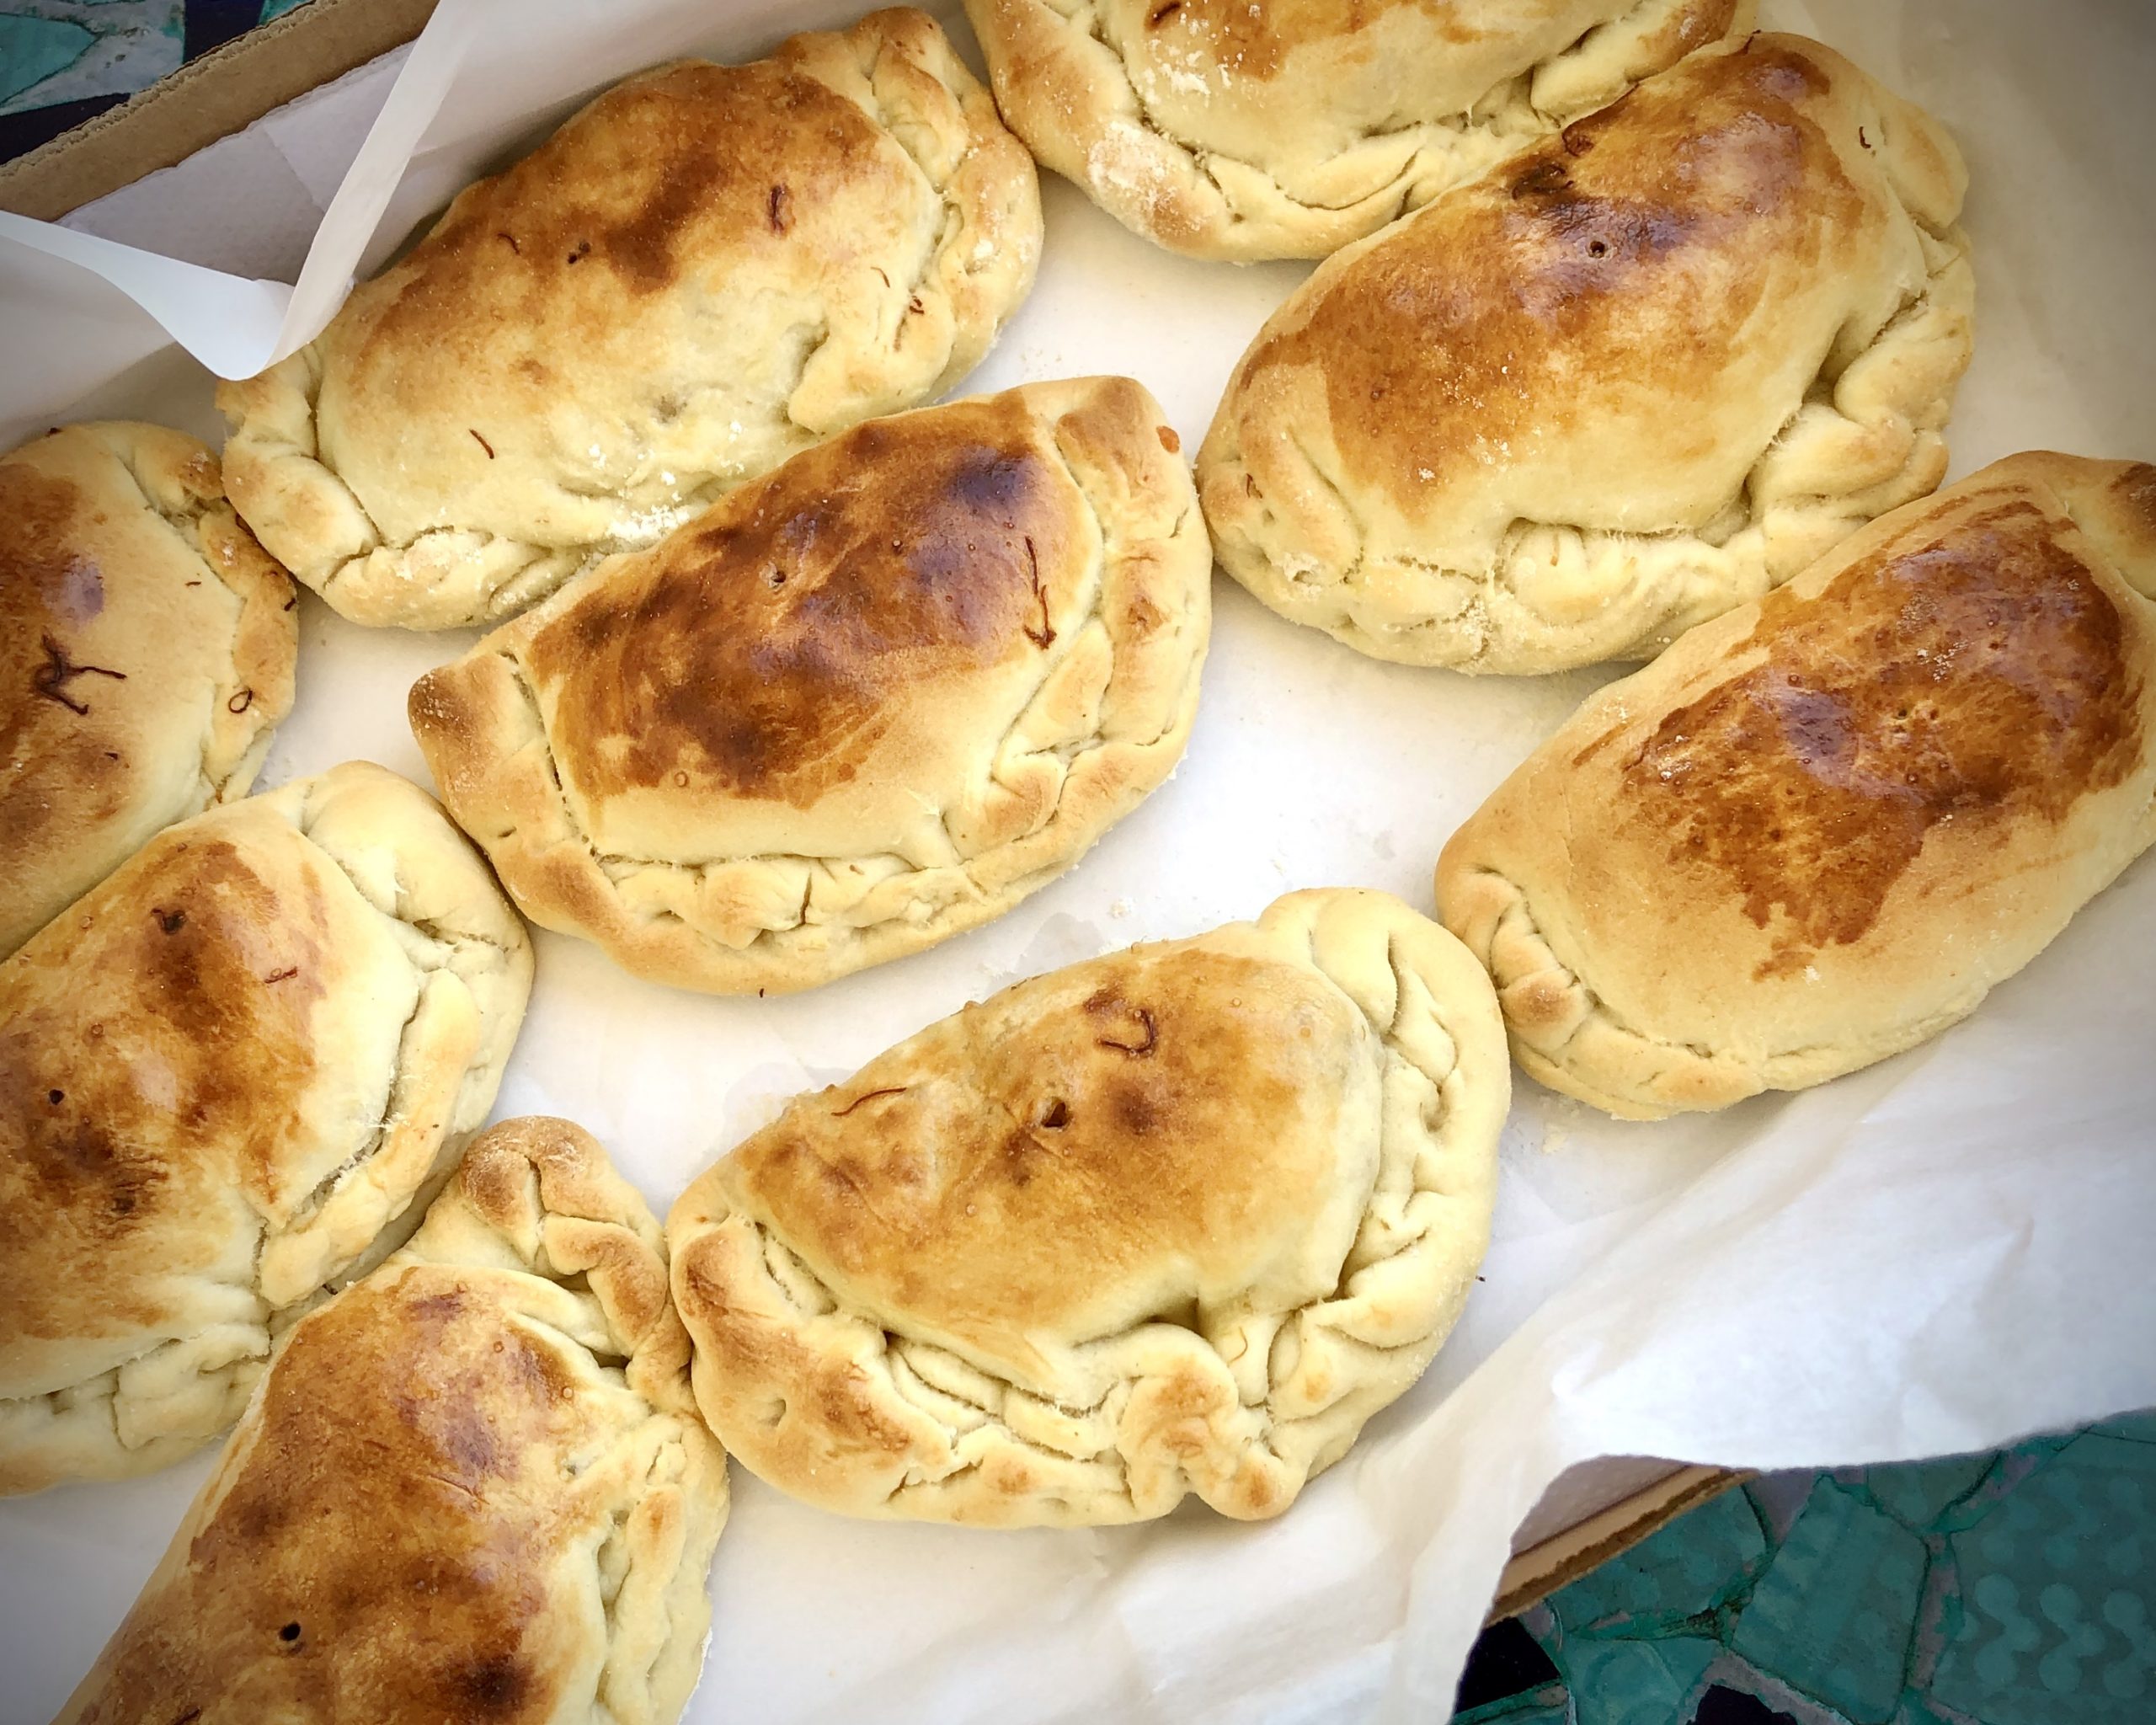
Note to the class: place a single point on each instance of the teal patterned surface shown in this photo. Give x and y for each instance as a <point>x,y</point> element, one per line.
<point>64,62</point>
<point>1838,1605</point>
<point>53,51</point>
<point>2012,1589</point>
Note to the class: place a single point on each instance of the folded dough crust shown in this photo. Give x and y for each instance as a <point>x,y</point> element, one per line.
<point>1180,1219</point>
<point>1818,830</point>
<point>706,270</point>
<point>149,645</point>
<point>1645,372</point>
<point>230,1075</point>
<point>860,705</point>
<point>471,1486</point>
<point>1220,129</point>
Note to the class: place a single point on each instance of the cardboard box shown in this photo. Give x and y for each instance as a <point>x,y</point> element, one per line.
<point>2058,376</point>
<point>226,91</point>
<point>1565,1537</point>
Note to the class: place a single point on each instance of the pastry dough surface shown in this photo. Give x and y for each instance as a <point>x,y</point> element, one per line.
<point>1221,128</point>
<point>146,651</point>
<point>1180,1219</point>
<point>227,1076</point>
<point>1820,829</point>
<point>704,272</point>
<point>865,703</point>
<point>471,1487</point>
<point>1639,375</point>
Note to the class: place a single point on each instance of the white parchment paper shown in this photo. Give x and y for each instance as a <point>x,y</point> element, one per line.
<point>1939,1254</point>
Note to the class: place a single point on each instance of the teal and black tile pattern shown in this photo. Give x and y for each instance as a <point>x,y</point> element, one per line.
<point>2013,1588</point>
<point>63,60</point>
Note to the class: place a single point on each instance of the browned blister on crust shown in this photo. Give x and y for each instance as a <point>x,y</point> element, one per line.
<point>1177,1220</point>
<point>702,273</point>
<point>865,703</point>
<point>230,1075</point>
<point>146,651</point>
<point>1641,374</point>
<point>473,1486</point>
<point>1820,829</point>
<point>1220,129</point>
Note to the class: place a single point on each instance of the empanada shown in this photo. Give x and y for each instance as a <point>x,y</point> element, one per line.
<point>148,647</point>
<point>1634,378</point>
<point>1222,129</point>
<point>1818,830</point>
<point>471,1487</point>
<point>707,270</point>
<point>1180,1219</point>
<point>866,703</point>
<point>227,1076</point>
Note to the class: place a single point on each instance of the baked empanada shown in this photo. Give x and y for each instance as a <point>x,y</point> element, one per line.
<point>472,1486</point>
<point>1179,1218</point>
<point>1818,830</point>
<point>1222,129</point>
<point>228,1076</point>
<point>865,703</point>
<point>707,270</point>
<point>148,647</point>
<point>1636,377</point>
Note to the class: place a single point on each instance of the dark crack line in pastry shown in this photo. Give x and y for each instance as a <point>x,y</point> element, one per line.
<point>52,679</point>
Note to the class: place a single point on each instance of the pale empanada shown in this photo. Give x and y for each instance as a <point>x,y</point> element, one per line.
<point>866,703</point>
<point>1818,830</point>
<point>471,1487</point>
<point>146,648</point>
<point>1636,377</point>
<point>707,270</point>
<point>228,1076</point>
<point>1222,129</point>
<point>1177,1220</point>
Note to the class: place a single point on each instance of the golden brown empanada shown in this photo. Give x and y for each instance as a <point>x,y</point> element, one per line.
<point>471,1487</point>
<point>229,1076</point>
<point>148,647</point>
<point>1221,128</point>
<point>1180,1219</point>
<point>705,271</point>
<point>1636,377</point>
<point>864,704</point>
<point>1818,830</point>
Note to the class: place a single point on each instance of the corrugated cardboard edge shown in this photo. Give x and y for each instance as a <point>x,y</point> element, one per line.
<point>229,89</point>
<point>1533,1575</point>
<point>226,91</point>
